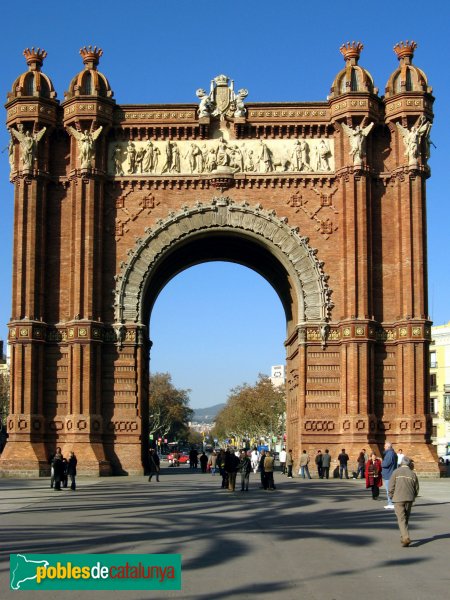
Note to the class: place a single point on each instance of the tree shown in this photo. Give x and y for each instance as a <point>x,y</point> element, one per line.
<point>169,411</point>
<point>4,397</point>
<point>252,411</point>
<point>4,405</point>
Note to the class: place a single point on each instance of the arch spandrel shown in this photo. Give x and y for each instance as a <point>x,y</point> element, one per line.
<point>224,216</point>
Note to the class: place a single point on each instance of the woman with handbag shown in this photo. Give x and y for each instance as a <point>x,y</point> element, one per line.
<point>374,479</point>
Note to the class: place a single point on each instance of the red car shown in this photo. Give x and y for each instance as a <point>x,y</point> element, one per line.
<point>182,458</point>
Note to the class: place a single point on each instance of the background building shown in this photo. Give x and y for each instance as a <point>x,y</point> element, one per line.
<point>278,375</point>
<point>440,386</point>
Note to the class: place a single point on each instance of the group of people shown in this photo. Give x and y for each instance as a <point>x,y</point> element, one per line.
<point>61,469</point>
<point>229,463</point>
<point>394,470</point>
<point>322,460</point>
<point>195,459</point>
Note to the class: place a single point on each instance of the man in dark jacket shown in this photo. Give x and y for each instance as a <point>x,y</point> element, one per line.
<point>58,470</point>
<point>154,464</point>
<point>231,467</point>
<point>72,470</point>
<point>318,461</point>
<point>403,490</point>
<point>245,466</point>
<point>343,459</point>
<point>326,462</point>
<point>388,466</point>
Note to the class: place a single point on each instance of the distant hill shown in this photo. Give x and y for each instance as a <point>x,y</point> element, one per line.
<point>206,415</point>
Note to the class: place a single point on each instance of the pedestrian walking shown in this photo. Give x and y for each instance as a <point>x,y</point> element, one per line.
<point>262,458</point>
<point>212,462</point>
<point>361,465</point>
<point>245,467</point>
<point>154,464</point>
<point>289,463</point>
<point>283,461</point>
<point>403,490</point>
<point>52,470</point>
<point>222,471</point>
<point>231,467</point>
<point>203,462</point>
<point>304,468</point>
<point>72,470</point>
<point>326,463</point>
<point>373,475</point>
<point>268,470</point>
<point>58,470</point>
<point>388,466</point>
<point>255,459</point>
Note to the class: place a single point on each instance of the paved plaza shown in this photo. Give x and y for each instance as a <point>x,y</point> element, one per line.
<point>307,540</point>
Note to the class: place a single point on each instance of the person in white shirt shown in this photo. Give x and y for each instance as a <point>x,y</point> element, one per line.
<point>283,461</point>
<point>400,456</point>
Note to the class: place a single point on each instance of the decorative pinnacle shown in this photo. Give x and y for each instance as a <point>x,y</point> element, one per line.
<point>405,49</point>
<point>351,50</point>
<point>91,56</point>
<point>34,57</point>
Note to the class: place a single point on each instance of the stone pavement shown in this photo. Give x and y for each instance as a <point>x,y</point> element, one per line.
<point>307,540</point>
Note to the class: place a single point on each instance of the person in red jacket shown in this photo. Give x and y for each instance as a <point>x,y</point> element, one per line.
<point>374,479</point>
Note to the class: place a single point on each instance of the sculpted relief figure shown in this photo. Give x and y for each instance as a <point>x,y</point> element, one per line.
<point>148,162</point>
<point>222,153</point>
<point>300,156</point>
<point>195,158</point>
<point>117,159</point>
<point>11,152</point>
<point>240,110</point>
<point>412,138</point>
<point>237,158</point>
<point>28,145</point>
<point>176,166</point>
<point>265,157</point>
<point>172,163</point>
<point>140,160</point>
<point>86,145</point>
<point>357,137</point>
<point>206,105</point>
<point>211,160</point>
<point>323,154</point>
<point>131,157</point>
<point>249,162</point>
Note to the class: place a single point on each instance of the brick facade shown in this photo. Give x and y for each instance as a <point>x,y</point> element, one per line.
<point>99,230</point>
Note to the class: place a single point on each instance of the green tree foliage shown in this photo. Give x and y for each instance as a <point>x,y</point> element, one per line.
<point>252,411</point>
<point>169,411</point>
<point>4,398</point>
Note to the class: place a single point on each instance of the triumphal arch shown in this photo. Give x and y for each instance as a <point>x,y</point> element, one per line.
<point>326,200</point>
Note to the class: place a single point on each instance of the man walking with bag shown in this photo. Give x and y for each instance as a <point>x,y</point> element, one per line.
<point>403,490</point>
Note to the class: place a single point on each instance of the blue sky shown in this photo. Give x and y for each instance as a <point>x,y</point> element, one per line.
<point>162,51</point>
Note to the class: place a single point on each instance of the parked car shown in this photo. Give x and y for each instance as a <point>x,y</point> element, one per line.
<point>445,459</point>
<point>181,459</point>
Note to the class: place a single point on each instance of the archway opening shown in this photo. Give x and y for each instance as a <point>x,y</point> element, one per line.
<point>214,326</point>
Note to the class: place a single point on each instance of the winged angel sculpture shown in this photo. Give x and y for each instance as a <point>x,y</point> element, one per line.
<point>357,137</point>
<point>86,145</point>
<point>412,138</point>
<point>28,144</point>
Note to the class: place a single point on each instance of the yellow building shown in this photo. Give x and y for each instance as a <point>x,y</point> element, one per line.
<point>440,386</point>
